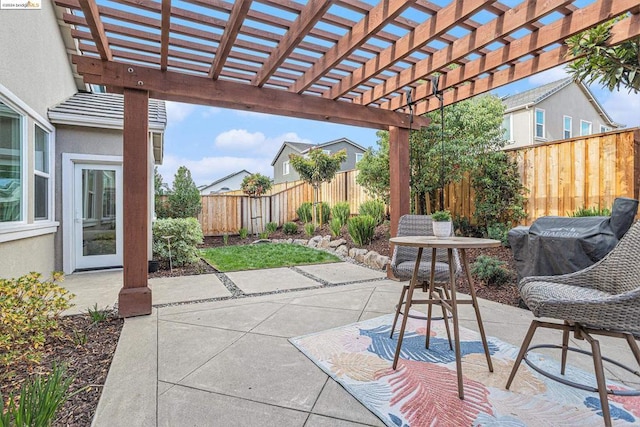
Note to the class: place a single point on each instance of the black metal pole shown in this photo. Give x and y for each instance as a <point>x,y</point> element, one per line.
<point>442,148</point>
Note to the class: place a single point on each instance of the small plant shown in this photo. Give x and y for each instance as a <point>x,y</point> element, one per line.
<point>336,227</point>
<point>375,209</point>
<point>309,229</point>
<point>304,212</point>
<point>39,400</point>
<point>500,232</point>
<point>290,228</point>
<point>79,337</point>
<point>264,235</point>
<point>271,227</point>
<point>490,270</point>
<point>592,211</point>
<point>243,232</point>
<point>441,216</point>
<point>97,315</point>
<point>323,212</point>
<point>181,248</point>
<point>341,211</point>
<point>225,239</point>
<point>361,229</point>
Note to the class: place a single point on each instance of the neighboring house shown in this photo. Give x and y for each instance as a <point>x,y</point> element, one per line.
<point>228,183</point>
<point>283,172</point>
<point>60,153</point>
<point>558,110</point>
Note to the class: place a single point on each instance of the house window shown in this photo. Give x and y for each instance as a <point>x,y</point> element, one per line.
<point>566,126</point>
<point>359,157</point>
<point>11,165</point>
<point>604,128</point>
<point>539,123</point>
<point>41,174</point>
<point>326,152</point>
<point>585,128</point>
<point>506,127</point>
<point>285,168</point>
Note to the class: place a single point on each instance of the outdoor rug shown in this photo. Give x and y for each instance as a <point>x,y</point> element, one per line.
<point>423,390</point>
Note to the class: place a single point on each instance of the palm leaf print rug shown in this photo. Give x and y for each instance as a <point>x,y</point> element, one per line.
<point>422,391</point>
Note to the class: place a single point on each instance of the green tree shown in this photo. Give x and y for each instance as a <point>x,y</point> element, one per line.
<point>160,193</point>
<point>255,185</point>
<point>316,168</point>
<point>184,198</point>
<point>611,66</point>
<point>472,127</point>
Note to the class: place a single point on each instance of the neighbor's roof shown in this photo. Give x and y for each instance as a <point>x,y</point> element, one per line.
<point>102,110</point>
<point>302,147</point>
<point>540,93</point>
<point>224,178</point>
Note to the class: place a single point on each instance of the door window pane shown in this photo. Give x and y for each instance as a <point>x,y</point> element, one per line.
<point>10,164</point>
<point>99,212</point>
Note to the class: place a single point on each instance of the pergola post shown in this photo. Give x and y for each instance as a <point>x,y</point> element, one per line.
<point>399,174</point>
<point>135,296</point>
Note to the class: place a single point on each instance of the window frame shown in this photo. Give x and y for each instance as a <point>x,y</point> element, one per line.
<point>46,175</point>
<point>536,124</point>
<point>361,155</point>
<point>564,127</point>
<point>286,169</point>
<point>508,117</point>
<point>605,128</point>
<point>590,128</point>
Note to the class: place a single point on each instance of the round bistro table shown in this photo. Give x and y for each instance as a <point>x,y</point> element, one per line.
<point>449,303</point>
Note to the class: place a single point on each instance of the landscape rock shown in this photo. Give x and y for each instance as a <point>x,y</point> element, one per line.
<point>260,241</point>
<point>336,243</point>
<point>324,243</point>
<point>342,251</point>
<point>358,254</point>
<point>302,242</point>
<point>314,241</point>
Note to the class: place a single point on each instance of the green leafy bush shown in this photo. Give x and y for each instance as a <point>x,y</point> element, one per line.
<point>264,235</point>
<point>336,226</point>
<point>463,227</point>
<point>441,216</point>
<point>490,270</point>
<point>375,209</point>
<point>500,232</point>
<point>361,229</point>
<point>271,227</point>
<point>184,200</point>
<point>186,234</point>
<point>309,229</point>
<point>290,228</point>
<point>592,211</point>
<point>304,212</point>
<point>341,211</point>
<point>29,311</point>
<point>39,400</point>
<point>243,232</point>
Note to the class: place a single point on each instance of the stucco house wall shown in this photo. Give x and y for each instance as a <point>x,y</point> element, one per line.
<point>278,176</point>
<point>34,74</point>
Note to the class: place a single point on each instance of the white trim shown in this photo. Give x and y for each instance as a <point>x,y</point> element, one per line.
<point>510,117</point>
<point>564,129</point>
<point>535,123</point>
<point>590,128</point>
<point>94,122</point>
<point>20,104</point>
<point>24,231</point>
<point>286,167</point>
<point>68,191</point>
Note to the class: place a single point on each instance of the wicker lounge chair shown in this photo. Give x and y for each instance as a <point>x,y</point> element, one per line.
<point>404,258</point>
<point>603,299</point>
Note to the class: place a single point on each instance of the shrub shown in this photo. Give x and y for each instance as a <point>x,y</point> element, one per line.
<point>490,270</point>
<point>464,227</point>
<point>341,212</point>
<point>374,209</point>
<point>271,227</point>
<point>336,226</point>
<point>264,235</point>
<point>290,228</point>
<point>186,234</point>
<point>361,229</point>
<point>39,400</point>
<point>304,212</point>
<point>592,211</point>
<point>184,199</point>
<point>323,212</point>
<point>29,311</point>
<point>500,232</point>
<point>243,232</point>
<point>309,229</point>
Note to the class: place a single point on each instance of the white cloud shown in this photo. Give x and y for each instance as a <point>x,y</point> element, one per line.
<point>255,143</point>
<point>623,108</point>
<point>548,76</point>
<point>177,111</point>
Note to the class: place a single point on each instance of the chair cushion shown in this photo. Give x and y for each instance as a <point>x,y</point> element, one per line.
<point>404,271</point>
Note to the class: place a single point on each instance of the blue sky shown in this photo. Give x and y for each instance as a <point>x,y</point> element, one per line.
<point>215,142</point>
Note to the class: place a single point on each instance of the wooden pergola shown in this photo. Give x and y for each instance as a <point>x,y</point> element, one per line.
<point>341,61</point>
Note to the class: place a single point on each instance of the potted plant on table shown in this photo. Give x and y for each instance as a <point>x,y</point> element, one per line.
<point>441,223</point>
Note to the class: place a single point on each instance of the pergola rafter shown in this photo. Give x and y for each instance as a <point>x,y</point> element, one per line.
<point>339,61</point>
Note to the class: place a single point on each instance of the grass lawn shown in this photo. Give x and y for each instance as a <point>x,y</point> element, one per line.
<point>267,255</point>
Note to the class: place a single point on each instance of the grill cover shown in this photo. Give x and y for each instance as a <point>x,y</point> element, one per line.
<point>558,245</point>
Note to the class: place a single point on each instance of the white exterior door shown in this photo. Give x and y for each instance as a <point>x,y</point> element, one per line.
<point>97,210</point>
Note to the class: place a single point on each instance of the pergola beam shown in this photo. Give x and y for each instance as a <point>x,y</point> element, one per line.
<point>620,32</point>
<point>92,16</point>
<point>445,19</point>
<point>236,18</point>
<point>523,14</point>
<point>374,21</point>
<point>164,34</point>
<point>555,32</point>
<point>227,94</point>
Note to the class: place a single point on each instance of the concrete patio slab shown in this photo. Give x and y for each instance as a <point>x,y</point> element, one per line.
<point>294,320</point>
<point>93,288</point>
<point>166,290</point>
<point>342,272</point>
<point>336,402</point>
<point>270,280</point>
<point>346,300</point>
<point>320,421</point>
